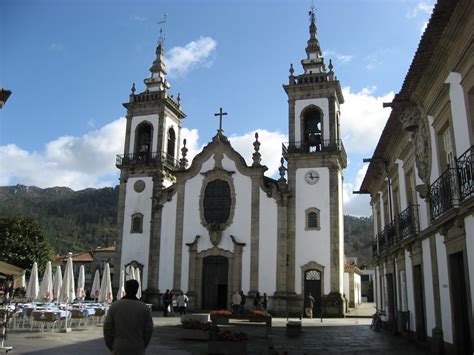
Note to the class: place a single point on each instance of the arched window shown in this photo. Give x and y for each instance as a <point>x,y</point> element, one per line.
<point>137,223</point>
<point>171,142</point>
<point>143,137</point>
<point>312,219</point>
<point>217,202</point>
<point>312,138</point>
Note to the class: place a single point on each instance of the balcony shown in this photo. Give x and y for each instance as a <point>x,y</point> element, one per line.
<point>465,166</point>
<point>324,145</point>
<point>408,222</point>
<point>141,159</point>
<point>453,186</point>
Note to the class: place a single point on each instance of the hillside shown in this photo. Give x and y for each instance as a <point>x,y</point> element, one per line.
<point>73,220</point>
<point>79,220</point>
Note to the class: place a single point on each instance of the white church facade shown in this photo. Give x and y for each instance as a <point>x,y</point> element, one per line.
<point>216,225</point>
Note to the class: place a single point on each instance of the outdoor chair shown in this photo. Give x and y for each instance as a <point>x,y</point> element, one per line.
<point>98,315</point>
<point>27,317</point>
<point>78,316</point>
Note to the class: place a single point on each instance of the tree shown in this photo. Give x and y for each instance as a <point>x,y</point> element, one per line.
<point>23,242</point>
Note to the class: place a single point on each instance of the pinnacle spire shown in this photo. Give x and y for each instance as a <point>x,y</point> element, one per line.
<point>314,63</point>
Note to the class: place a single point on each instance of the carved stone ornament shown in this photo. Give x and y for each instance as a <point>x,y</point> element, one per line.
<point>410,118</point>
<point>139,186</point>
<point>423,150</point>
<point>215,233</point>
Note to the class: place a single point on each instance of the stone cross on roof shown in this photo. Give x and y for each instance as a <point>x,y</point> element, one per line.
<point>220,114</point>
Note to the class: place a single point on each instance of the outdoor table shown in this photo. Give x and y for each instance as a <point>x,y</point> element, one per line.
<point>85,311</point>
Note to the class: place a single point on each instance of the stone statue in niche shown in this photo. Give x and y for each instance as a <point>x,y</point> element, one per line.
<point>215,233</point>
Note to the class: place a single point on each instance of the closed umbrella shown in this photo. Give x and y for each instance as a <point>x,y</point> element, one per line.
<point>57,283</point>
<point>121,289</point>
<point>67,290</point>
<point>33,285</point>
<point>105,294</point>
<point>137,277</point>
<point>80,293</point>
<point>95,285</point>
<point>46,289</point>
<point>129,273</point>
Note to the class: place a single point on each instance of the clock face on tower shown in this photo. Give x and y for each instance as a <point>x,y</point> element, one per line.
<point>311,177</point>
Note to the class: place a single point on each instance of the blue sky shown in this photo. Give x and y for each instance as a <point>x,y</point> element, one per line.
<point>70,65</point>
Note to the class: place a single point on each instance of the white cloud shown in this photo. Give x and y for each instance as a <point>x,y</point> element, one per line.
<point>341,58</point>
<point>57,48</point>
<point>377,57</point>
<point>356,204</point>
<point>421,8</point>
<point>195,54</point>
<point>363,119</point>
<point>138,18</point>
<point>423,27</point>
<point>76,162</point>
<point>270,148</point>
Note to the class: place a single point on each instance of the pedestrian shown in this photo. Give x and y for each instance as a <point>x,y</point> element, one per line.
<point>173,303</point>
<point>242,302</point>
<point>257,301</point>
<point>182,302</point>
<point>236,300</point>
<point>166,303</point>
<point>309,305</point>
<point>128,326</point>
<point>265,302</point>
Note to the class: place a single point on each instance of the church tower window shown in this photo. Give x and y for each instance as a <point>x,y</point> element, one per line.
<point>171,143</point>
<point>137,223</point>
<point>312,119</point>
<point>312,219</point>
<point>217,202</point>
<point>143,140</point>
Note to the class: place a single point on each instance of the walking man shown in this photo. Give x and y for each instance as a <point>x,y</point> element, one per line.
<point>182,302</point>
<point>128,326</point>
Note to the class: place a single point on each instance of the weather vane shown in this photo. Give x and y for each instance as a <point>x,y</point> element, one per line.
<point>162,23</point>
<point>312,12</point>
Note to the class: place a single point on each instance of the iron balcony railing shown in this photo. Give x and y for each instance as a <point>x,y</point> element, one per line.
<point>408,222</point>
<point>453,186</point>
<point>386,238</point>
<point>465,165</point>
<point>322,145</point>
<point>444,193</point>
<point>147,158</point>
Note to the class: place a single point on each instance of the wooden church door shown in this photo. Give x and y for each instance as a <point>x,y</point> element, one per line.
<point>312,283</point>
<point>214,282</point>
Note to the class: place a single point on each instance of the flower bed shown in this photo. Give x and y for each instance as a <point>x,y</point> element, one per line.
<point>222,312</point>
<point>227,342</point>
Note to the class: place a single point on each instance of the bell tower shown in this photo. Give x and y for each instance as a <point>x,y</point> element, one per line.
<point>316,158</point>
<point>147,166</point>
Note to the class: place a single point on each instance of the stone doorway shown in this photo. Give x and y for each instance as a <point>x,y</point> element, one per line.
<point>419,302</point>
<point>459,299</point>
<point>215,271</point>
<point>390,300</point>
<point>312,283</point>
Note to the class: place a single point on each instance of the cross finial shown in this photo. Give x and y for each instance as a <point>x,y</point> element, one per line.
<point>220,114</point>
<point>162,23</point>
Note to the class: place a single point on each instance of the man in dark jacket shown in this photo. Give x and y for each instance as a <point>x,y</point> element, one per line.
<point>128,326</point>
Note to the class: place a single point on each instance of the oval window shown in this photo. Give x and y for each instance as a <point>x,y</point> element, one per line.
<point>217,202</point>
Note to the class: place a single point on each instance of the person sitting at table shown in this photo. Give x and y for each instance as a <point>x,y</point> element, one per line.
<point>128,326</point>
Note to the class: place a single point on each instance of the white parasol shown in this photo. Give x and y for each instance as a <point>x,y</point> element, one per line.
<point>95,285</point>
<point>105,293</point>
<point>129,273</point>
<point>121,289</point>
<point>67,290</point>
<point>57,283</point>
<point>137,277</point>
<point>80,293</point>
<point>46,289</point>
<point>33,285</point>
